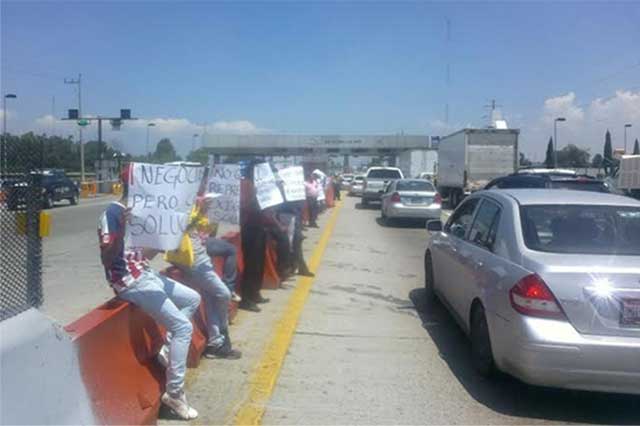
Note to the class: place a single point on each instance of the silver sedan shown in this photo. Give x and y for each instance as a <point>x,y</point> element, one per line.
<point>410,199</point>
<point>546,283</point>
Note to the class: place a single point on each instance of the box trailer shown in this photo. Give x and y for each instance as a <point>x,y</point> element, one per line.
<point>470,158</point>
<point>417,161</point>
<point>629,175</point>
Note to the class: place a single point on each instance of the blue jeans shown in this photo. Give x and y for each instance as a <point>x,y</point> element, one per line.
<point>216,300</point>
<point>172,305</point>
<point>220,247</point>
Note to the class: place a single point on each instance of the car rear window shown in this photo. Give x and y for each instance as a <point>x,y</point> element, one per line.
<point>359,178</point>
<point>595,186</point>
<point>384,174</point>
<point>582,229</point>
<point>414,185</point>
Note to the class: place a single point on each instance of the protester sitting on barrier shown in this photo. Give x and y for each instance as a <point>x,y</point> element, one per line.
<point>217,247</point>
<point>254,240</point>
<point>312,190</point>
<point>168,302</point>
<point>193,260</point>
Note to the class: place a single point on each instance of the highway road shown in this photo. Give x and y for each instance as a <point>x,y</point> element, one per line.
<point>365,350</point>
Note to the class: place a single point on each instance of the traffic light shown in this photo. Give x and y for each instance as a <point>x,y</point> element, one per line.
<point>73,114</point>
<point>125,114</point>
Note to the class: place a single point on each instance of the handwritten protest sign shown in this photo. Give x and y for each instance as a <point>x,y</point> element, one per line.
<point>224,179</point>
<point>267,191</point>
<point>293,183</point>
<point>161,198</point>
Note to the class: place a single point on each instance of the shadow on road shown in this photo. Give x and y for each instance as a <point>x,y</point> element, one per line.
<point>401,223</point>
<point>509,396</point>
<point>370,206</point>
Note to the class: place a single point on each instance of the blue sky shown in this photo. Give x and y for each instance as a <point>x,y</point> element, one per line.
<point>338,67</point>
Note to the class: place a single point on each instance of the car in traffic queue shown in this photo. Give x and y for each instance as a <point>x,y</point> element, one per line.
<point>410,199</point>
<point>545,283</point>
<point>376,180</point>
<point>345,181</point>
<point>355,187</point>
<point>55,186</point>
<point>549,180</point>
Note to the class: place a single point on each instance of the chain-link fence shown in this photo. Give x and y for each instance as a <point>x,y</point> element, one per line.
<point>20,244</point>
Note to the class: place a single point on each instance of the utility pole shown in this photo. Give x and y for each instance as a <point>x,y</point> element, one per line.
<point>78,82</point>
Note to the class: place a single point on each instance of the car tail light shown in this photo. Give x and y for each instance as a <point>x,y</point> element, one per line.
<point>531,296</point>
<point>395,197</point>
<point>437,199</point>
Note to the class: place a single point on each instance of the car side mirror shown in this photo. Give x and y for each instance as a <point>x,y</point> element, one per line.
<point>434,226</point>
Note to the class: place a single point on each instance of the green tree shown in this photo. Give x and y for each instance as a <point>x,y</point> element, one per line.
<point>572,156</point>
<point>608,162</point>
<point>200,155</point>
<point>524,161</point>
<point>597,161</point>
<point>548,159</point>
<point>636,148</point>
<point>165,152</point>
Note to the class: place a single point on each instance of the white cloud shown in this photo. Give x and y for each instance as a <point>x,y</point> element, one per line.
<point>132,135</point>
<point>586,122</point>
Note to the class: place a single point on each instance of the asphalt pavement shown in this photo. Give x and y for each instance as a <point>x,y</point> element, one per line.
<point>366,351</point>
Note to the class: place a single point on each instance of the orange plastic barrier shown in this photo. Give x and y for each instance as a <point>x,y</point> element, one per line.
<point>329,196</point>
<point>305,213</point>
<point>117,346</point>
<point>271,278</point>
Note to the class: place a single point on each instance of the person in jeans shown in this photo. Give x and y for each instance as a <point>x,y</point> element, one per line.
<point>222,248</point>
<point>217,295</point>
<point>168,302</point>
<point>311,189</point>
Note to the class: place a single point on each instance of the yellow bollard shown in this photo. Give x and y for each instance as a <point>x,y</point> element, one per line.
<point>45,224</point>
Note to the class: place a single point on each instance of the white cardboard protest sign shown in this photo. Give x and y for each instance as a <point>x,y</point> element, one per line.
<point>161,198</point>
<point>267,191</point>
<point>224,179</point>
<point>293,183</point>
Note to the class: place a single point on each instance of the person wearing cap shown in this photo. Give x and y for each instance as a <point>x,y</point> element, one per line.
<point>168,302</point>
<point>198,267</point>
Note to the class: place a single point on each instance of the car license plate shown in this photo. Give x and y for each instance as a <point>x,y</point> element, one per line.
<point>630,312</point>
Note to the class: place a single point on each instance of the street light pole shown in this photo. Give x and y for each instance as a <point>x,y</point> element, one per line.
<point>626,126</point>
<point>555,140</point>
<point>4,111</point>
<point>147,148</point>
<point>78,81</point>
<point>193,142</point>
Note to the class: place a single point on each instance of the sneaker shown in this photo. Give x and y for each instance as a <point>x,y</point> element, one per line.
<point>179,405</point>
<point>163,356</point>
<point>306,273</point>
<point>235,297</point>
<point>223,352</point>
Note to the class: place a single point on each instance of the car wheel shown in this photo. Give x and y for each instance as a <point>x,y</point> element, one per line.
<point>481,352</point>
<point>365,202</point>
<point>74,199</point>
<point>429,292</point>
<point>48,201</point>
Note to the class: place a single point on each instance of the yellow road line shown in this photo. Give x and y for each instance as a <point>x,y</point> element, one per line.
<point>268,368</point>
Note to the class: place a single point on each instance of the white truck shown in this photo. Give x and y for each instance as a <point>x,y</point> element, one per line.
<point>629,175</point>
<point>415,162</point>
<point>468,159</point>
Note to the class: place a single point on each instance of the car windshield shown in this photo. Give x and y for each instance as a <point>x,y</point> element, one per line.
<point>414,185</point>
<point>358,179</point>
<point>384,174</point>
<point>582,229</point>
<point>595,186</point>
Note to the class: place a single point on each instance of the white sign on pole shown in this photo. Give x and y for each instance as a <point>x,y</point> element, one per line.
<point>161,198</point>
<point>267,191</point>
<point>224,179</point>
<point>293,183</point>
